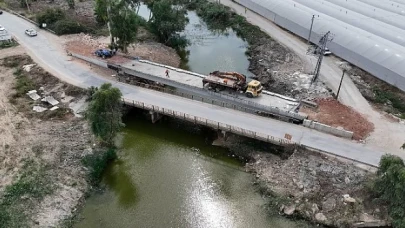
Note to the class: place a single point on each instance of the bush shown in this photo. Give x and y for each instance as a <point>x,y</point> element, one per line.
<point>97,163</point>
<point>50,16</point>
<point>65,26</point>
<point>23,83</point>
<point>389,187</point>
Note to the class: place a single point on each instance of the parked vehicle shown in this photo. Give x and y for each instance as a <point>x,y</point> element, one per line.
<point>104,53</point>
<point>218,80</point>
<point>2,28</point>
<point>1,12</point>
<point>325,53</point>
<point>31,32</point>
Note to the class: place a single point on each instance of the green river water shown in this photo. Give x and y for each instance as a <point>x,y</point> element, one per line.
<point>170,177</point>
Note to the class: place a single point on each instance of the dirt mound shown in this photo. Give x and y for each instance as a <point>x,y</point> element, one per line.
<point>334,113</point>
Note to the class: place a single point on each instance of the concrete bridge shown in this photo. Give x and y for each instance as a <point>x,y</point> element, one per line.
<point>45,51</point>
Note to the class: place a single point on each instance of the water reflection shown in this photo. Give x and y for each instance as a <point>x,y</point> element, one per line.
<point>210,50</point>
<point>162,181</point>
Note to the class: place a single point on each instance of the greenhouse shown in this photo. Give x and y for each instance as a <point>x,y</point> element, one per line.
<point>368,41</point>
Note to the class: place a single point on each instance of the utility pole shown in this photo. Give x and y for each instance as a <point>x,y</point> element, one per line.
<point>322,45</point>
<point>341,80</point>
<point>310,29</point>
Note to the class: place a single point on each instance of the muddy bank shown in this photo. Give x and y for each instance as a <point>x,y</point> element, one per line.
<point>42,176</point>
<point>320,189</point>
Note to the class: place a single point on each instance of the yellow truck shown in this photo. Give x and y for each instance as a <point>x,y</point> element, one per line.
<point>218,80</point>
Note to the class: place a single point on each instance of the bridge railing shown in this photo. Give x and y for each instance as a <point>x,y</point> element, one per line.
<point>205,99</point>
<point>224,100</point>
<point>210,123</point>
<point>224,97</point>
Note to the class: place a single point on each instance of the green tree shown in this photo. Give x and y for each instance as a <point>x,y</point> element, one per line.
<point>100,11</point>
<point>121,19</point>
<point>124,26</point>
<point>167,20</point>
<point>390,187</point>
<point>403,146</point>
<point>104,113</point>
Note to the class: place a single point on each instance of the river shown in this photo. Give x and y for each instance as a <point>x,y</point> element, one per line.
<point>168,175</point>
<point>208,50</point>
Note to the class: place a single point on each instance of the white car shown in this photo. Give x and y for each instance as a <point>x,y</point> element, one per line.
<point>31,32</point>
<point>2,28</point>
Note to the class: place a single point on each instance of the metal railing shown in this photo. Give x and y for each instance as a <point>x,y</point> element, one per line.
<point>210,123</point>
<point>206,100</point>
<point>200,94</point>
<point>229,98</point>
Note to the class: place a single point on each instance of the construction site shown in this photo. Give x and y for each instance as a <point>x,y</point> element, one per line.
<point>308,109</point>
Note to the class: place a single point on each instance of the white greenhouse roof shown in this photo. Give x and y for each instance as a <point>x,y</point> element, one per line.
<point>376,45</point>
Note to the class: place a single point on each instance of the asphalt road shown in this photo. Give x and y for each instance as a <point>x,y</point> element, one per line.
<point>46,52</point>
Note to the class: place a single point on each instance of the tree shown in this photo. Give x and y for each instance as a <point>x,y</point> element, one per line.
<point>100,11</point>
<point>403,146</point>
<point>121,20</point>
<point>124,26</point>
<point>167,21</point>
<point>390,187</point>
<point>104,113</point>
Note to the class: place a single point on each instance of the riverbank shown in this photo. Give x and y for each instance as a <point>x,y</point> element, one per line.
<point>278,68</point>
<point>320,189</point>
<point>42,177</point>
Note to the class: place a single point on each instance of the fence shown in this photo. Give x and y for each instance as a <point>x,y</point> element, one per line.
<point>210,123</point>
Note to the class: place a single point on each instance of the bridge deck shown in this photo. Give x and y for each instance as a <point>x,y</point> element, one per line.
<point>194,79</point>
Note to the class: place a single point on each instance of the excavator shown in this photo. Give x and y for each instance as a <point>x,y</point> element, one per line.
<point>219,80</point>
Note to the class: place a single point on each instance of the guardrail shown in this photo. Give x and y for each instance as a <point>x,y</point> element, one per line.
<point>201,91</point>
<point>206,100</point>
<point>209,123</point>
<point>201,94</point>
<point>26,18</point>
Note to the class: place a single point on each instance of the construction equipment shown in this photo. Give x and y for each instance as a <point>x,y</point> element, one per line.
<point>218,81</point>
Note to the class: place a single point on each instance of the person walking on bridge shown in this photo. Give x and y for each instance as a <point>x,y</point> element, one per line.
<point>167,73</point>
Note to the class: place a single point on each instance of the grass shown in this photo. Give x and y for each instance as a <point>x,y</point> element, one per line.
<point>385,96</point>
<point>18,197</point>
<point>97,163</point>
<point>23,84</point>
<point>4,45</point>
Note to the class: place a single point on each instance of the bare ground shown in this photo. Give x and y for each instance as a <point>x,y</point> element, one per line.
<point>336,114</point>
<point>53,142</point>
<point>86,45</point>
<point>306,184</point>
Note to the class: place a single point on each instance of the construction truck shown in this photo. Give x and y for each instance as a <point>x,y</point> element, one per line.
<point>218,81</point>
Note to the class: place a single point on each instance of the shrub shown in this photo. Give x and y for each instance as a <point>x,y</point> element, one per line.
<point>50,16</point>
<point>65,26</point>
<point>389,187</point>
<point>97,163</point>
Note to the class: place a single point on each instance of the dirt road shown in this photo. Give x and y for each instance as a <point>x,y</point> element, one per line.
<point>388,134</point>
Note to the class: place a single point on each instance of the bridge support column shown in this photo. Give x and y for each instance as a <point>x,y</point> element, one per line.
<point>155,116</point>
<point>223,134</point>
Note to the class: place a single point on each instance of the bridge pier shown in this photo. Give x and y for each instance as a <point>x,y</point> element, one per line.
<point>222,134</point>
<point>155,116</point>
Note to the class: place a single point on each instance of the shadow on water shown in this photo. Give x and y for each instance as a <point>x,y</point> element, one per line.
<point>117,179</point>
